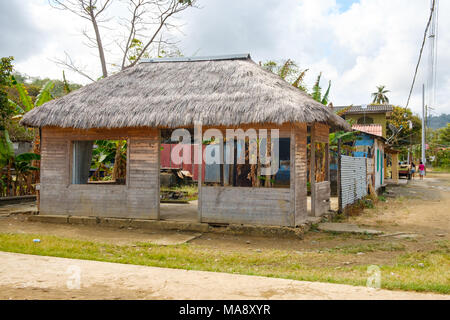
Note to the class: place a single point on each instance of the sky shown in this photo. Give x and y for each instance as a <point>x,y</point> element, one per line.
<point>357,44</point>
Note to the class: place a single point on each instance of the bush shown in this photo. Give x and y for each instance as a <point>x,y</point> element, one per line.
<point>442,159</point>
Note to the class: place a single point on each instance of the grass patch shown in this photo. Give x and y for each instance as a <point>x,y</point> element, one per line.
<point>439,169</point>
<point>403,274</point>
<point>371,247</point>
<point>191,190</point>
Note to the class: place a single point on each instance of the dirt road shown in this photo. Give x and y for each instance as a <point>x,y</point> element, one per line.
<point>421,206</point>
<point>30,277</point>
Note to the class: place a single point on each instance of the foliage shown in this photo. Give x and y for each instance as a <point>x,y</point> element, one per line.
<point>346,138</point>
<point>289,71</point>
<point>6,110</point>
<point>22,167</point>
<point>439,147</point>
<point>34,84</point>
<point>341,112</point>
<point>317,91</point>
<point>42,97</point>
<point>400,118</point>
<point>444,136</point>
<point>442,159</point>
<point>104,156</point>
<point>6,148</point>
<point>379,96</point>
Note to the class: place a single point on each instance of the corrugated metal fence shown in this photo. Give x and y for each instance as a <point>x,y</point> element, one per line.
<point>353,179</point>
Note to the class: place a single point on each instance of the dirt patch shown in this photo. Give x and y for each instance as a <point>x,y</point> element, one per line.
<point>419,208</point>
<point>123,236</point>
<point>54,278</point>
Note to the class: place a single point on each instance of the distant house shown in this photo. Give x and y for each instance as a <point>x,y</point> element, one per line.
<point>372,147</point>
<point>372,117</point>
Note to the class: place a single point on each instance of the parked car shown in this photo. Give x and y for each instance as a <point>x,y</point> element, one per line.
<point>404,169</point>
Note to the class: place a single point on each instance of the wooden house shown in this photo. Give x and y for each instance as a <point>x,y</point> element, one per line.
<point>159,94</point>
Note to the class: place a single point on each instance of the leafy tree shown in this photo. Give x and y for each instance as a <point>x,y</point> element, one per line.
<point>6,110</point>
<point>22,164</point>
<point>143,26</point>
<point>444,136</point>
<point>379,96</point>
<point>401,118</point>
<point>346,138</point>
<point>289,71</point>
<point>106,154</point>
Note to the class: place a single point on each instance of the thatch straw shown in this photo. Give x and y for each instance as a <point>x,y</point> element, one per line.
<point>227,92</point>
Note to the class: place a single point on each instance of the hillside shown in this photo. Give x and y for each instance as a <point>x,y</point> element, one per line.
<point>436,122</point>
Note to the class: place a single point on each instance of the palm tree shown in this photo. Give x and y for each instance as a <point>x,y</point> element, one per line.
<point>380,97</point>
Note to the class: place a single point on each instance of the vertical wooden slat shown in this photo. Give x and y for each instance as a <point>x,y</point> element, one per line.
<point>339,168</point>
<point>312,173</point>
<point>300,174</point>
<point>292,180</point>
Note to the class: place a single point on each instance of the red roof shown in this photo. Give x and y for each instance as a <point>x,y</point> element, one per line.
<point>375,129</point>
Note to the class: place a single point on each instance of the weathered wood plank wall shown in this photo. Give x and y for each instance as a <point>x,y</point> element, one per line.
<point>320,191</point>
<point>267,206</point>
<point>299,167</point>
<point>139,198</point>
<point>322,199</point>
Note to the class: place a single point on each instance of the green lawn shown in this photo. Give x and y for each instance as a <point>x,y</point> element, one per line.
<point>425,271</point>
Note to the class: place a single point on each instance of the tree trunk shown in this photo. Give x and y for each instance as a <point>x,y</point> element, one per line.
<point>118,161</point>
<point>98,38</point>
<point>8,179</point>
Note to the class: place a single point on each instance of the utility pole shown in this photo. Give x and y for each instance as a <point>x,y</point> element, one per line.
<point>423,124</point>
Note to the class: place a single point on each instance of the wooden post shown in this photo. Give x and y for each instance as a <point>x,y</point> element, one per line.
<point>395,167</point>
<point>292,180</point>
<point>339,177</point>
<point>327,162</point>
<point>198,150</point>
<point>158,189</point>
<point>312,173</point>
<point>221,166</point>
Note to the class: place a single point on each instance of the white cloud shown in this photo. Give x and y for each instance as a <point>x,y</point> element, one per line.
<point>373,42</point>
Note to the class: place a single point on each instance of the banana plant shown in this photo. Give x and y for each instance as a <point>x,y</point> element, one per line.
<point>317,91</point>
<point>45,95</point>
<point>6,148</point>
<point>106,153</point>
<point>22,164</point>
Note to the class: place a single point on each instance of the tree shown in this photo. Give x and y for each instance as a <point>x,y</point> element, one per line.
<point>444,135</point>
<point>143,29</point>
<point>317,91</point>
<point>379,96</point>
<point>6,110</point>
<point>289,71</point>
<point>401,118</point>
<point>105,154</point>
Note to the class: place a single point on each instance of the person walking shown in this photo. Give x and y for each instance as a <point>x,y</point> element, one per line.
<point>413,170</point>
<point>421,170</point>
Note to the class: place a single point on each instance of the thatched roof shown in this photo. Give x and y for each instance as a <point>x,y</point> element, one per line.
<point>171,93</point>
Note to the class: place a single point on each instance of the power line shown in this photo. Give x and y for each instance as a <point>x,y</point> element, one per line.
<point>420,53</point>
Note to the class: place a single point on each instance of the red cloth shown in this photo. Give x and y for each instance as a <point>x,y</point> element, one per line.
<point>421,167</point>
